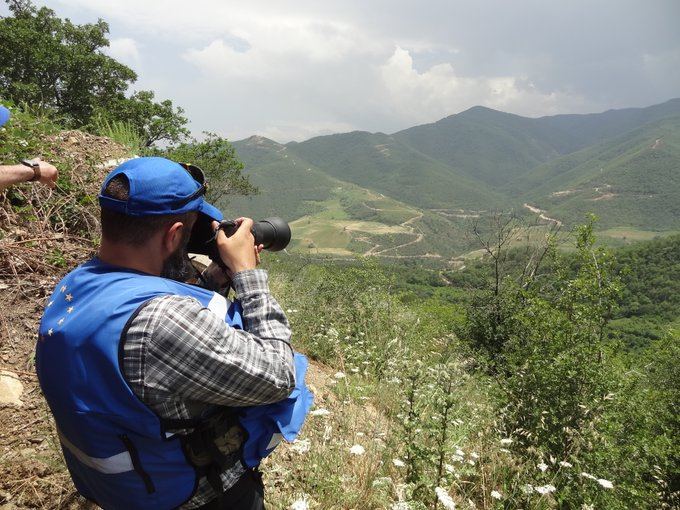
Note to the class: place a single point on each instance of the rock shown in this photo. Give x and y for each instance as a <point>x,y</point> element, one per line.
<point>10,389</point>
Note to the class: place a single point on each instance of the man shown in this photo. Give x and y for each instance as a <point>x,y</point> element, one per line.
<point>147,377</point>
<point>28,170</point>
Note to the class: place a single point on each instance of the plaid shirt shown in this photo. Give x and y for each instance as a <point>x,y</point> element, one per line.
<point>180,358</point>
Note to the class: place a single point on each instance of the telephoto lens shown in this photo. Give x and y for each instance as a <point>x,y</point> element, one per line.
<point>274,233</point>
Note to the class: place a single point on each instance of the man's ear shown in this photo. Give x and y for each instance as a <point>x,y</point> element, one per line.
<point>173,237</point>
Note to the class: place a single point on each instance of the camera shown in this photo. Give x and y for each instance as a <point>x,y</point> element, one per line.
<point>274,233</point>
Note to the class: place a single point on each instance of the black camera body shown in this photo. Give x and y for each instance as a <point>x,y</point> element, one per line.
<point>274,233</point>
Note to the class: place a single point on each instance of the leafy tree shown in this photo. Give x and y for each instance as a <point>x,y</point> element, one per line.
<point>60,66</point>
<point>57,64</point>
<point>153,121</point>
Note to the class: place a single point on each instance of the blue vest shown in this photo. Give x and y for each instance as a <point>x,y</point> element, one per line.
<point>116,448</point>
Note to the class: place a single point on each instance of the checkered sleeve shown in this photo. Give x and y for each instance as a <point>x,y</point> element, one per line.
<point>191,354</point>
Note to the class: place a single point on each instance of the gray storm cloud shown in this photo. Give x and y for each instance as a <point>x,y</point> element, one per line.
<point>291,70</point>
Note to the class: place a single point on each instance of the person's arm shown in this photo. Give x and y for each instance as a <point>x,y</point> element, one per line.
<point>13,174</point>
<point>189,352</point>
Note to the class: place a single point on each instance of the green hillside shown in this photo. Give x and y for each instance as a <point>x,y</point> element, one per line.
<point>415,193</point>
<point>579,131</point>
<point>632,180</point>
<point>384,164</point>
<point>289,187</point>
<point>483,144</point>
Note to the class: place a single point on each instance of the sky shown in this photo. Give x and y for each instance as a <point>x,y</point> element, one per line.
<point>293,70</point>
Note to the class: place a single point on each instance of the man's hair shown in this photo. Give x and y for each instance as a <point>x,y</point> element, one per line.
<point>133,230</point>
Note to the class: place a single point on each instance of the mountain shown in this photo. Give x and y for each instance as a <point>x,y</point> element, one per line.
<point>414,192</point>
<point>382,163</point>
<point>483,144</point>
<point>631,180</point>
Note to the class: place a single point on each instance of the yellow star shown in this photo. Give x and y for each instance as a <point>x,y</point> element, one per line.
<point>69,297</point>
<point>63,288</point>
<point>69,309</point>
<point>50,331</point>
<point>60,321</point>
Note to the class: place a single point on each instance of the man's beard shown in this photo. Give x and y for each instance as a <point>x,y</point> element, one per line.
<point>178,265</point>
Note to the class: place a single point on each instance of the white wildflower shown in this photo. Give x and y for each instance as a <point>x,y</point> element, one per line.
<point>542,467</point>
<point>301,446</point>
<point>474,455</point>
<point>295,310</point>
<point>339,375</point>
<point>588,475</point>
<point>496,495</point>
<point>471,462</point>
<point>444,498</point>
<point>457,458</point>
<point>357,449</point>
<point>504,450</point>
<point>320,412</point>
<point>458,422</point>
<point>398,463</point>
<point>566,464</point>
<point>383,480</point>
<point>528,488</point>
<point>605,483</point>
<point>506,440</point>
<point>300,504</point>
<point>460,452</point>
<point>354,370</point>
<point>401,505</point>
<point>545,489</point>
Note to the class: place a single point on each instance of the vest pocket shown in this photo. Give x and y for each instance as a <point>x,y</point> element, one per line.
<point>136,463</point>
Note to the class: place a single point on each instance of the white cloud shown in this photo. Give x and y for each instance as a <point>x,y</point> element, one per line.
<point>439,90</point>
<point>290,70</point>
<point>125,50</point>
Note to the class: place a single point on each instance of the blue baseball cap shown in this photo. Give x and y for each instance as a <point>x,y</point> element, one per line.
<point>159,186</point>
<point>4,115</point>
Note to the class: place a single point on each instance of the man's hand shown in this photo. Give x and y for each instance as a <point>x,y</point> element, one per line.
<point>239,252</point>
<point>48,173</point>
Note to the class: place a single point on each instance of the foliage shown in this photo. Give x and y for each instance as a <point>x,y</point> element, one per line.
<point>218,160</point>
<point>153,121</point>
<point>59,66</point>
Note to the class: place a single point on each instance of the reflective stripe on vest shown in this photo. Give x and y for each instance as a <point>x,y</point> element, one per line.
<point>118,463</point>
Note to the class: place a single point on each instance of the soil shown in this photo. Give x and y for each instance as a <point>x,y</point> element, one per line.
<point>36,250</point>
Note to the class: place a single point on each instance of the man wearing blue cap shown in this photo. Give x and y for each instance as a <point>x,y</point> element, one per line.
<point>147,377</point>
<point>28,170</point>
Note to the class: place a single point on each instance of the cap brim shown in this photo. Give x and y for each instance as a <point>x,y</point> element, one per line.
<point>203,231</point>
<point>211,211</point>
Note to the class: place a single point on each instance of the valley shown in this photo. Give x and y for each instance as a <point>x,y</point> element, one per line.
<point>416,193</point>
